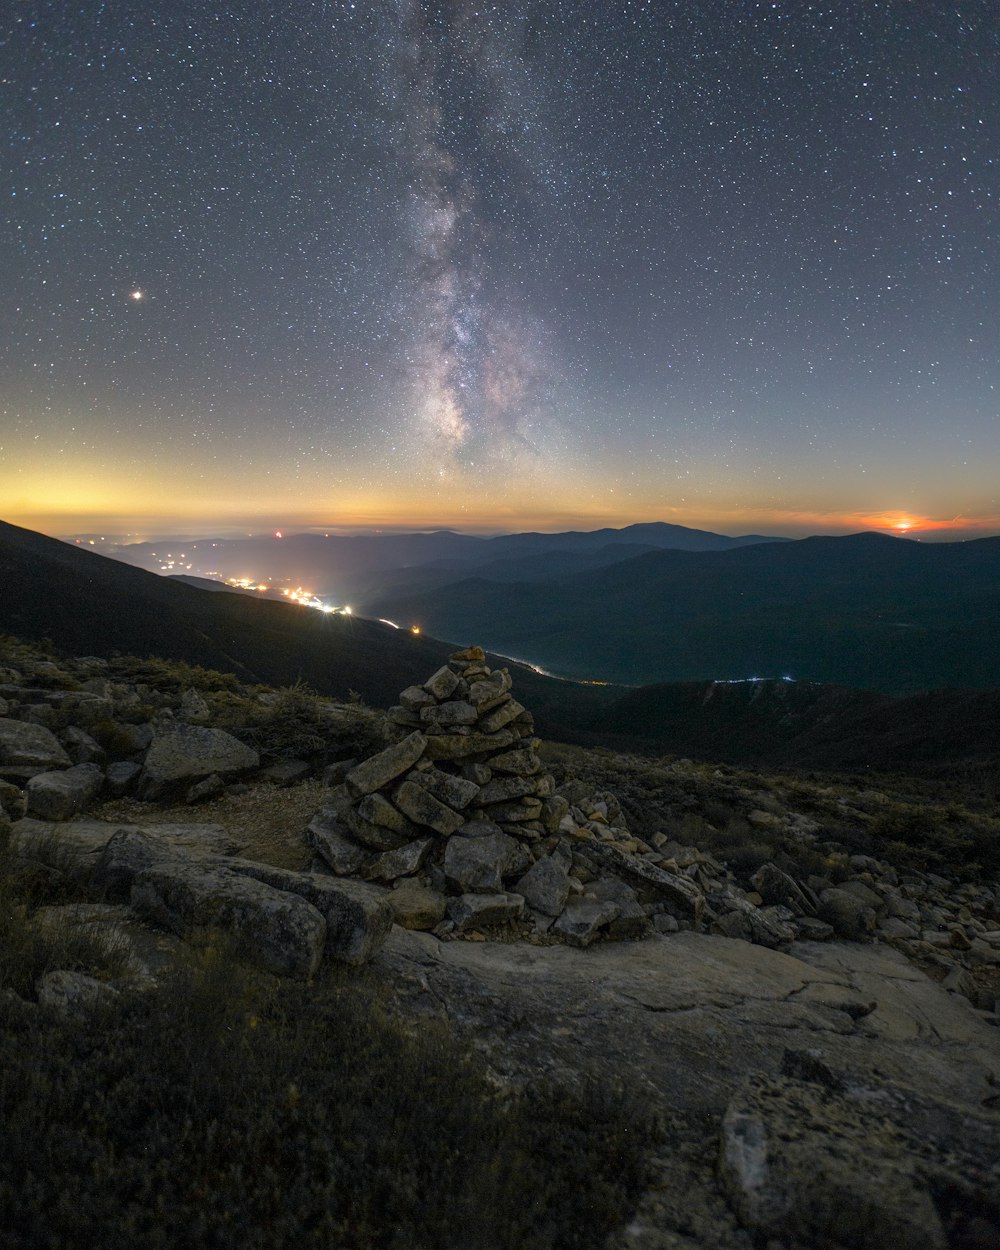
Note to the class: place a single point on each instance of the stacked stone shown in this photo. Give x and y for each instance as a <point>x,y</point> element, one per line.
<point>458,814</point>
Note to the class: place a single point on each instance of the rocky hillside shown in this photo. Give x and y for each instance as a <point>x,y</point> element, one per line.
<point>762,958</point>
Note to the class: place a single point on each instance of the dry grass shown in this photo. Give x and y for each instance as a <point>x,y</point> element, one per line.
<point>266,823</point>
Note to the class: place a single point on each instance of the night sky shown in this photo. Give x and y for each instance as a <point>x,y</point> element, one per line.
<point>500,266</point>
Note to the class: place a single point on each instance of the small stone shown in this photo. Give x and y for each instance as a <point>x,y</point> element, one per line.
<point>454,792</point>
<point>328,838</point>
<point>524,761</point>
<point>545,886</point>
<point>402,862</point>
<point>583,918</point>
<point>378,837</point>
<point>386,766</point>
<point>442,684</point>
<point>526,809</point>
<point>424,809</point>
<point>413,698</point>
<point>479,865</point>
<point>475,910</point>
<point>501,716</point>
<point>210,788</point>
<point>457,712</point>
<point>414,906</point>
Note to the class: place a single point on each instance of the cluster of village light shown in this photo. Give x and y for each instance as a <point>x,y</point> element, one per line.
<point>307,599</point>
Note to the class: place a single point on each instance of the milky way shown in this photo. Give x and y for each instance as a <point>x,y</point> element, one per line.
<point>729,264</point>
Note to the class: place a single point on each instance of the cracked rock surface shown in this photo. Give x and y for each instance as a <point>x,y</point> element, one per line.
<point>723,1037</point>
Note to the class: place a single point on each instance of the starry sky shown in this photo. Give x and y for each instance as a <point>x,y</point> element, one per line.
<point>500,266</point>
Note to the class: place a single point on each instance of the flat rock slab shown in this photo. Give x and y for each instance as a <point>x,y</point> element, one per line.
<point>686,1020</point>
<point>62,844</point>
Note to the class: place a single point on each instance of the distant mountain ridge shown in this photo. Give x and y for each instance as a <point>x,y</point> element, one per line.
<point>87,604</point>
<point>364,566</point>
<point>865,610</point>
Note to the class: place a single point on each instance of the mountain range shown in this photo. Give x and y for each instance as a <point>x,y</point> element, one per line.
<point>866,610</point>
<point>945,598</point>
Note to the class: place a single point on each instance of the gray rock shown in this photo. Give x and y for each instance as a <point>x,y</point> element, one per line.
<point>334,774</point>
<point>27,750</point>
<point>501,716</point>
<point>804,1164</point>
<point>193,707</point>
<point>403,862</point>
<point>286,772</point>
<point>202,791</point>
<point>583,918</point>
<point>121,777</point>
<point>82,748</point>
<point>753,924</point>
<point>414,906</point>
<point>377,809</point>
<point>523,810</point>
<point>504,789</point>
<point>358,916</point>
<point>524,761</point>
<point>13,801</point>
<point>442,683</point>
<point>868,896</point>
<point>377,837</point>
<point>458,712</point>
<point>114,854</point>
<point>454,792</point>
<point>327,837</point>
<point>73,993</point>
<point>379,770</point>
<point>479,865</point>
<point>777,887</point>
<point>849,915</point>
<point>471,911</point>
<point>446,747</point>
<point>60,795</point>
<point>677,894</point>
<point>413,698</point>
<point>186,754</point>
<point>281,932</point>
<point>424,809</point>
<point>545,886</point>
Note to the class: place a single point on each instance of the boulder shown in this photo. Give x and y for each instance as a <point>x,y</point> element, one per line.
<point>442,683</point>
<point>73,994</point>
<point>545,886</point>
<point>809,1166</point>
<point>479,865</point>
<point>777,887</point>
<point>121,777</point>
<point>678,894</point>
<point>27,750</point>
<point>60,795</point>
<point>850,916</point>
<point>185,754</point>
<point>280,931</point>
<point>377,837</point>
<point>82,748</point>
<point>358,916</point>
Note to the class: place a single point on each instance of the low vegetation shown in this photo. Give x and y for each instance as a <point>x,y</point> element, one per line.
<point>225,1108</point>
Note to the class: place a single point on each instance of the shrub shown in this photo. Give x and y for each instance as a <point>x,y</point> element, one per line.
<point>226,1109</point>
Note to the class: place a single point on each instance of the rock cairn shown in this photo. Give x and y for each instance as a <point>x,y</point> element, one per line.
<point>458,813</point>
